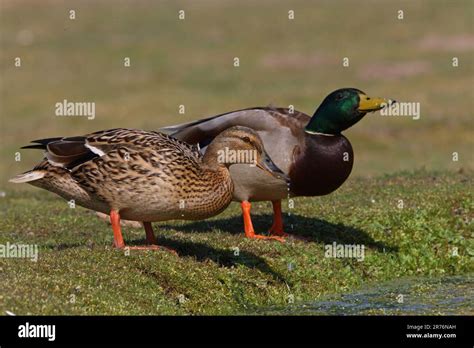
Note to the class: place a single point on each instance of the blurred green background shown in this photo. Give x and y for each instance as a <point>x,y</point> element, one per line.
<point>282,62</point>
<point>190,62</point>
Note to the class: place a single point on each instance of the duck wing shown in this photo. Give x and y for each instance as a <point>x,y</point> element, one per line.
<point>261,119</point>
<point>70,152</point>
<point>64,152</point>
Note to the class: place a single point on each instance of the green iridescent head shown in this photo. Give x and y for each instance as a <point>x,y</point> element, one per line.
<point>342,109</point>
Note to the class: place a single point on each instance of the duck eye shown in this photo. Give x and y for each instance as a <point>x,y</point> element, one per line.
<point>339,96</point>
<point>246,139</point>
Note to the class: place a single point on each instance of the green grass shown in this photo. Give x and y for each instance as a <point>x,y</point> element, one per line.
<point>76,257</point>
<point>282,62</point>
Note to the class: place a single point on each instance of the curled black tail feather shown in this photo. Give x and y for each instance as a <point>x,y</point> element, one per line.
<point>40,143</point>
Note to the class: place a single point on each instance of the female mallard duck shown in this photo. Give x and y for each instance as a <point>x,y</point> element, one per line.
<point>310,150</point>
<point>145,176</point>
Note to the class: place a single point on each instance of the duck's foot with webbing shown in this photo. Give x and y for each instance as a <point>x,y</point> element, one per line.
<point>248,227</point>
<point>277,227</point>
<point>150,236</point>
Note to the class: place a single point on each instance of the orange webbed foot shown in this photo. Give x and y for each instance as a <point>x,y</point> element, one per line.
<point>151,247</point>
<point>150,236</point>
<point>248,226</point>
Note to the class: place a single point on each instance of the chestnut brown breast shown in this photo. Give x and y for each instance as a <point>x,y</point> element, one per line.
<point>321,165</point>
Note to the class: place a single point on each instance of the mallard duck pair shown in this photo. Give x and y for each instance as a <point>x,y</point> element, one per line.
<point>311,150</point>
<point>148,176</point>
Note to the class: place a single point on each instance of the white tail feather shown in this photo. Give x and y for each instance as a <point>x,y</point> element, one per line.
<point>27,177</point>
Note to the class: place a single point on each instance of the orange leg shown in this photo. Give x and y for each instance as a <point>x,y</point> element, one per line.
<point>150,236</point>
<point>277,227</point>
<point>115,221</point>
<point>249,231</point>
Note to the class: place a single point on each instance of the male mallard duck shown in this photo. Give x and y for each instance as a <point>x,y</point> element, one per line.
<point>145,176</point>
<point>310,150</point>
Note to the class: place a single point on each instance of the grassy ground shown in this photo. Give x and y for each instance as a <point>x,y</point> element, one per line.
<point>79,273</point>
<point>282,62</point>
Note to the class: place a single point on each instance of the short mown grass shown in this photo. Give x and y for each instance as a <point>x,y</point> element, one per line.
<point>78,272</point>
<point>282,62</point>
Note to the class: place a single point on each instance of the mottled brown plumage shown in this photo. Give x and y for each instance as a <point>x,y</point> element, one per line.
<point>141,175</point>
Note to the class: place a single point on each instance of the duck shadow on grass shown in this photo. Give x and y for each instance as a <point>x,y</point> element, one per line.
<point>201,252</point>
<point>313,230</point>
<point>223,257</point>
